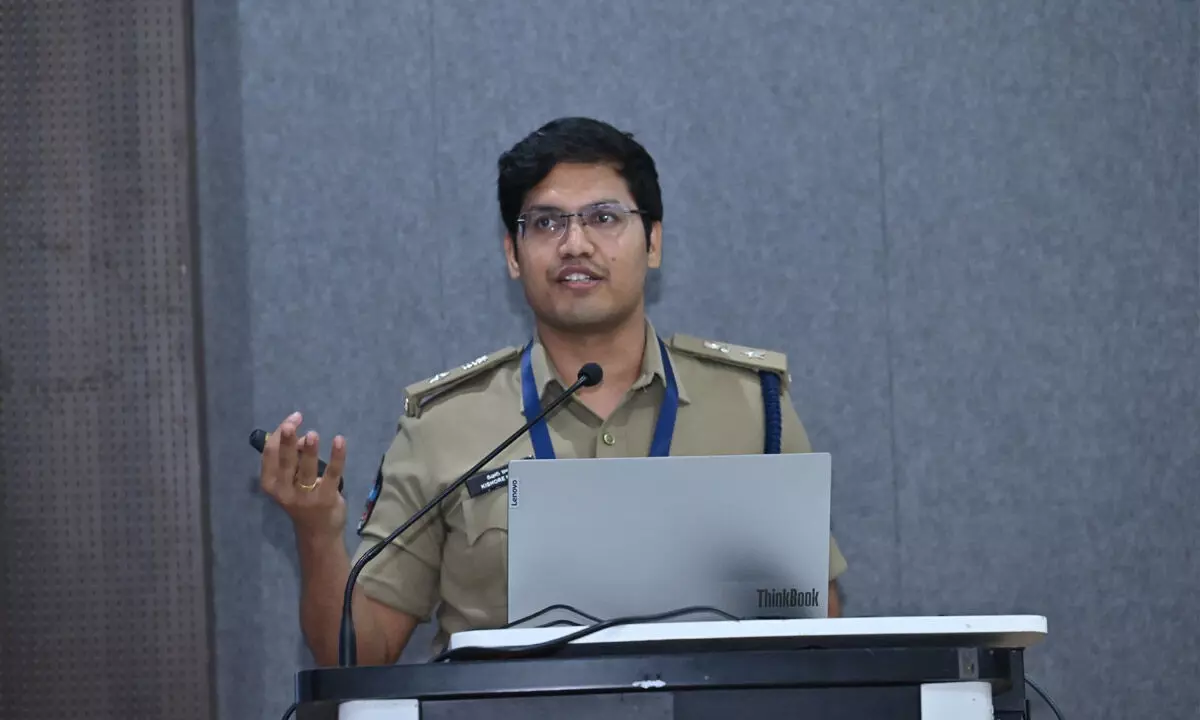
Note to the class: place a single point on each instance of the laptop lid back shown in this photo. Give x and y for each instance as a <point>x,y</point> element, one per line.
<point>747,534</point>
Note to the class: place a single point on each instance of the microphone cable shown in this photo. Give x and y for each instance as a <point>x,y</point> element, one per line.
<point>547,609</point>
<point>1053,708</point>
<point>471,652</point>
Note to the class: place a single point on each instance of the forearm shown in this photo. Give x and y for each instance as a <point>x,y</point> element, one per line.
<point>835,600</point>
<point>324,568</point>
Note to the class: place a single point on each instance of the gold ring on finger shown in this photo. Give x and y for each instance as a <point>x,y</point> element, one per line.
<point>315,483</point>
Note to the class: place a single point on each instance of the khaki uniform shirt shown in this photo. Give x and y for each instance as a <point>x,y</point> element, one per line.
<point>458,555</point>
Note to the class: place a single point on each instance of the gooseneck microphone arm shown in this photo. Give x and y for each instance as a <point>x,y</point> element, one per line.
<point>589,375</point>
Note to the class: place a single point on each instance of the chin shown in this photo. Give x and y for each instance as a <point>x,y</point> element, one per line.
<point>579,320</point>
<point>592,313</point>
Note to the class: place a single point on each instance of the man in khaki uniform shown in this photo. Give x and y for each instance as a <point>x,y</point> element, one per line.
<point>583,211</point>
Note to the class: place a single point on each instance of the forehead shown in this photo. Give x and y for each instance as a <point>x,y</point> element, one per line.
<point>572,185</point>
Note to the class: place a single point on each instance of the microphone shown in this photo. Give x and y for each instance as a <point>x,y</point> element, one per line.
<point>589,375</point>
<point>258,440</point>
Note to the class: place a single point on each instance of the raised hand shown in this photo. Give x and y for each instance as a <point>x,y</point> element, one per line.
<point>289,476</point>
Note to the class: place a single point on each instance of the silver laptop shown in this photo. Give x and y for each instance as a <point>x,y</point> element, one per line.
<point>747,534</point>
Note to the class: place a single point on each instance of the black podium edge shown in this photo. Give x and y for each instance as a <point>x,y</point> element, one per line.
<point>831,667</point>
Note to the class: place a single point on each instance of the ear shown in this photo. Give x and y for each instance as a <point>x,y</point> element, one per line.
<point>654,259</point>
<point>510,256</point>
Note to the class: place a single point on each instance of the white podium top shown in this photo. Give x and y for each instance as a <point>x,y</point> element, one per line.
<point>999,631</point>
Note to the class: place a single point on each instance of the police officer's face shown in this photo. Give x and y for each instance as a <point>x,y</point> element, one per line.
<point>579,277</point>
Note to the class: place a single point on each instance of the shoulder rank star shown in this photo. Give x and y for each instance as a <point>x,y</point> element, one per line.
<point>417,395</point>
<point>477,361</point>
<point>465,366</point>
<point>752,354</point>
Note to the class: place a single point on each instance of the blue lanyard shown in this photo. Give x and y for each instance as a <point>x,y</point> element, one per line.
<point>543,448</point>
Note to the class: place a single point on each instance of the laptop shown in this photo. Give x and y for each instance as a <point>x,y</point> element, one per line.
<point>613,537</point>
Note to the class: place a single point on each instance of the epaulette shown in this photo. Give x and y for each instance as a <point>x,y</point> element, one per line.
<point>735,355</point>
<point>419,393</point>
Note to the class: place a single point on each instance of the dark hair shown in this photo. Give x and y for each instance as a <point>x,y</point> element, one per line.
<point>577,140</point>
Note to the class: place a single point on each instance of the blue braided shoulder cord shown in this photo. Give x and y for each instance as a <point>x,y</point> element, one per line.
<point>772,415</point>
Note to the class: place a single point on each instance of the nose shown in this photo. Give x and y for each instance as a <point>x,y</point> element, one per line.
<point>575,241</point>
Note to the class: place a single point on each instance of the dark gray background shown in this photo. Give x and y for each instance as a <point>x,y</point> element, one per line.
<point>974,227</point>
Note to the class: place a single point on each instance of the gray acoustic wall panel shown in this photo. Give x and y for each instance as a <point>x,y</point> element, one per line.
<point>1042,220</point>
<point>317,178</point>
<point>972,227</point>
<point>103,606</point>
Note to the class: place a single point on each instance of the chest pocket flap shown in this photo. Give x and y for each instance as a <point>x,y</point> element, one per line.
<point>485,517</point>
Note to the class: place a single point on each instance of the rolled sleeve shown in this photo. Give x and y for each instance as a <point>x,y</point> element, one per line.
<point>405,576</point>
<point>837,563</point>
<point>400,580</point>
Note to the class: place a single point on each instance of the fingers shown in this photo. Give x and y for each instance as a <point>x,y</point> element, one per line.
<point>337,461</point>
<point>288,459</point>
<point>268,476</point>
<point>270,473</point>
<point>309,446</point>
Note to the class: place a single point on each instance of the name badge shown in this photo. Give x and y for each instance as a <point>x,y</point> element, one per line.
<point>487,481</point>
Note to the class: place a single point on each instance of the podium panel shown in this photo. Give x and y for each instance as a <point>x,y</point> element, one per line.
<point>838,704</point>
<point>953,668</point>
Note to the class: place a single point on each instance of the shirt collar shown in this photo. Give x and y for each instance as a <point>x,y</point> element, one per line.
<point>652,367</point>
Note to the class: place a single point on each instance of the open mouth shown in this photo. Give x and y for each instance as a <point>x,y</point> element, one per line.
<point>578,279</point>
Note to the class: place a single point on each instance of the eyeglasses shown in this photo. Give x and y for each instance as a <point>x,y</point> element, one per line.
<point>606,220</point>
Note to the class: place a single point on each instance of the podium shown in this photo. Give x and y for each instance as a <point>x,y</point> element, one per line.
<point>898,668</point>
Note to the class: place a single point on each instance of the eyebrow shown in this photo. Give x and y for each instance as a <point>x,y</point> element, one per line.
<point>605,201</point>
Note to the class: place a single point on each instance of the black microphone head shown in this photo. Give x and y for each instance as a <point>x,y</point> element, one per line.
<point>258,439</point>
<point>591,374</point>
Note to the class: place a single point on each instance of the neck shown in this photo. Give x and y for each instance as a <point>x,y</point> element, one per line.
<point>618,350</point>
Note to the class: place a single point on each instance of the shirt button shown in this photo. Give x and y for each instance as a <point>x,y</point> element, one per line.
<point>608,438</point>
